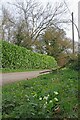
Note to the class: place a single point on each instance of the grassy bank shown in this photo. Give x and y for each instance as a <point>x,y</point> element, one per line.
<point>54,95</point>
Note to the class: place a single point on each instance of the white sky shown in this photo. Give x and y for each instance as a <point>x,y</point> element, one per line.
<point>72,5</point>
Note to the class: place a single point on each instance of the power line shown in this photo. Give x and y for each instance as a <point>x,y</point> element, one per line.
<point>73,24</point>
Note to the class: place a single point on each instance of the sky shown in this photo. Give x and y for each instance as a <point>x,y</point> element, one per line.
<point>73,7</point>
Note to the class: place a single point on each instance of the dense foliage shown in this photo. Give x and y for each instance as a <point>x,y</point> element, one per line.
<point>52,95</point>
<point>0,53</point>
<point>15,57</point>
<point>74,62</point>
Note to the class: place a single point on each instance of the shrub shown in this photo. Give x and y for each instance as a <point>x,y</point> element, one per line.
<point>15,57</point>
<point>74,62</point>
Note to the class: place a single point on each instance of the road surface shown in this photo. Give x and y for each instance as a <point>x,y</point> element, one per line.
<point>6,78</point>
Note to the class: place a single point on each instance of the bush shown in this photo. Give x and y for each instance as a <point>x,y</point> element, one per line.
<point>15,57</point>
<point>75,62</point>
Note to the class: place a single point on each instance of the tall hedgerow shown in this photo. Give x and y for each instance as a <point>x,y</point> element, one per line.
<point>0,53</point>
<point>15,57</point>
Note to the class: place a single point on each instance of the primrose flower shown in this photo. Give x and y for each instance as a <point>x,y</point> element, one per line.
<point>48,95</point>
<point>56,99</point>
<point>50,101</point>
<point>40,98</point>
<point>46,103</point>
<point>55,92</point>
<point>45,98</point>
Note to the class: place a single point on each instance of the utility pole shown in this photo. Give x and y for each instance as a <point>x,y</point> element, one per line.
<point>79,21</point>
<point>79,27</point>
<point>73,31</point>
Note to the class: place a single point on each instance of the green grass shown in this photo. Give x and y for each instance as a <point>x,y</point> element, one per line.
<point>5,70</point>
<point>53,95</point>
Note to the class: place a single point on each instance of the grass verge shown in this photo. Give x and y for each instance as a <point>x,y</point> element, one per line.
<point>53,95</point>
<point>4,70</point>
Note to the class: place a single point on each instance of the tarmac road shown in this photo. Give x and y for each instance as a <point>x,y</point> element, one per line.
<point>6,78</point>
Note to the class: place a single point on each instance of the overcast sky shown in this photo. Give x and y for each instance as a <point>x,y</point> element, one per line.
<point>72,5</point>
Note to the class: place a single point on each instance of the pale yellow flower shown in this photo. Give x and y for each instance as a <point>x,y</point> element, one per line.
<point>50,101</point>
<point>56,93</point>
<point>56,99</point>
<point>40,98</point>
<point>45,98</point>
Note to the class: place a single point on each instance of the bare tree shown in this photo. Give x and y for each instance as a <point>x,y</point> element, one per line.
<point>37,18</point>
<point>30,21</point>
<point>7,24</point>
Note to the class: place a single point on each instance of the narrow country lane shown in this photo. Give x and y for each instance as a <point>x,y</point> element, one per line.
<point>13,77</point>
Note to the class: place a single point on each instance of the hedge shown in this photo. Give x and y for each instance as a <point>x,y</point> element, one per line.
<point>0,53</point>
<point>15,57</point>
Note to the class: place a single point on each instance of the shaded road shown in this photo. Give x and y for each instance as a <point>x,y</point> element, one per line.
<point>12,77</point>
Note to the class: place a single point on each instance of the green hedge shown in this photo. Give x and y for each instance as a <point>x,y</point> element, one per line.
<point>0,53</point>
<point>15,57</point>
